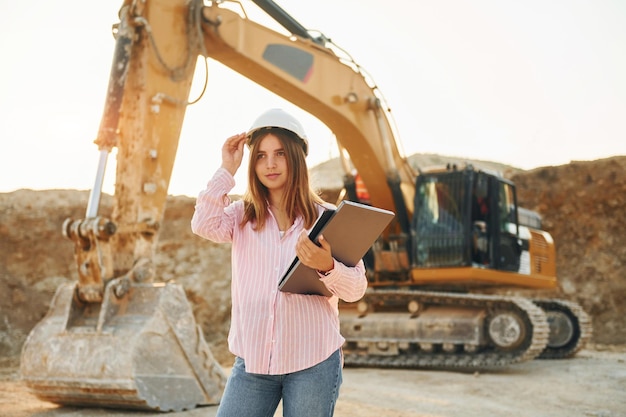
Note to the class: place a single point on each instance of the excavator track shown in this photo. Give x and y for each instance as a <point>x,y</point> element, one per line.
<point>534,332</point>
<point>570,328</point>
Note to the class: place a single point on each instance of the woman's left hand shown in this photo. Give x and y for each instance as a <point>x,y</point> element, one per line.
<point>313,256</point>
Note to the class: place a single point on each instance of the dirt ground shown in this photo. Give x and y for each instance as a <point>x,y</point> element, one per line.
<point>593,384</point>
<point>583,205</point>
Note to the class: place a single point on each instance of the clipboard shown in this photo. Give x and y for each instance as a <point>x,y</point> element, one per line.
<point>350,230</point>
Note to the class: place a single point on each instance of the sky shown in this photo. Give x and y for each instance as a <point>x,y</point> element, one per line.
<point>527,83</point>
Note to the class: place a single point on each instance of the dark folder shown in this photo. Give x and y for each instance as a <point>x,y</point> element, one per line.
<point>350,230</point>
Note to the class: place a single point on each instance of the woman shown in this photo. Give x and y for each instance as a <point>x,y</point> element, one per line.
<point>287,346</point>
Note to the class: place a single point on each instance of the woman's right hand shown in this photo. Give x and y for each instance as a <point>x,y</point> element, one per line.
<point>232,152</point>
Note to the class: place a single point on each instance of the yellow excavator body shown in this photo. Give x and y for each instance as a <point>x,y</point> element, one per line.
<point>120,338</point>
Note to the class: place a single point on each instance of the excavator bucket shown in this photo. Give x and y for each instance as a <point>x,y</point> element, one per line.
<point>139,351</point>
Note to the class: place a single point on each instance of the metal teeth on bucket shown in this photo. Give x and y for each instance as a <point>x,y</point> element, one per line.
<point>141,351</point>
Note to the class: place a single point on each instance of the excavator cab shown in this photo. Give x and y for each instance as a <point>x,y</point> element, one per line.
<point>466,218</point>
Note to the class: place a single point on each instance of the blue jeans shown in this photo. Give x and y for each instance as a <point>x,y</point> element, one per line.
<point>311,392</point>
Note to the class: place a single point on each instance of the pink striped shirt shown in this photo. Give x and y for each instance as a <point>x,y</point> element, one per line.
<point>273,331</point>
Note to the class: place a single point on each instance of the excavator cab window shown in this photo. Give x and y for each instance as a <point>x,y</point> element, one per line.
<point>481,219</point>
<point>441,236</point>
<point>495,233</point>
<point>507,246</point>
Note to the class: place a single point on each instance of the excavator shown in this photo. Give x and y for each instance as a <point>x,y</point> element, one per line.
<point>120,337</point>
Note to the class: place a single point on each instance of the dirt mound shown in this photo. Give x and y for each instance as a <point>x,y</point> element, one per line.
<point>583,205</point>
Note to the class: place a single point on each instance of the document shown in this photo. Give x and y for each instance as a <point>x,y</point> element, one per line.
<point>350,230</point>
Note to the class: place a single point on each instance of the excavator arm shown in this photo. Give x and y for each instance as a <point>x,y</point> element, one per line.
<point>119,337</point>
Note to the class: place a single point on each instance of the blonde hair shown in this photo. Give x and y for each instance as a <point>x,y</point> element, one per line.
<point>298,198</point>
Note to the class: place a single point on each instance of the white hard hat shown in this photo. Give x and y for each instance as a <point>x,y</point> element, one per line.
<point>278,118</point>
